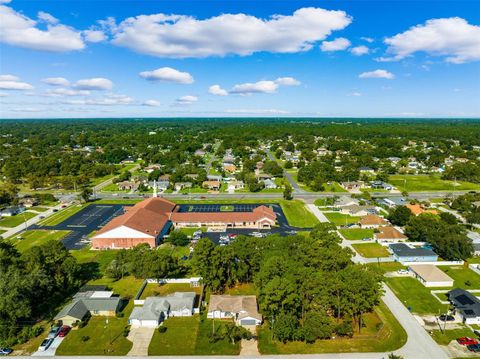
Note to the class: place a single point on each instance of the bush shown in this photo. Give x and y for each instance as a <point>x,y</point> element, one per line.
<point>85,338</point>
<point>82,323</point>
<point>344,329</point>
<point>120,314</point>
<point>126,331</point>
<point>162,329</point>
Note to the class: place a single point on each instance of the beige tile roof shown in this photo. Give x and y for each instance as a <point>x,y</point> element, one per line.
<point>430,273</point>
<point>390,233</point>
<point>373,219</point>
<point>235,304</point>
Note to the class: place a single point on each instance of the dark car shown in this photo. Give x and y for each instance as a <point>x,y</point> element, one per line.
<point>446,318</point>
<point>64,331</point>
<point>45,344</point>
<point>5,351</point>
<point>474,348</point>
<point>55,210</point>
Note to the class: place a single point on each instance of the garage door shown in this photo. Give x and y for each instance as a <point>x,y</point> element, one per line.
<point>248,322</point>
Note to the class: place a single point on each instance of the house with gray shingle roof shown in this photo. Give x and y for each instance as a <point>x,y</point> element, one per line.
<point>157,309</point>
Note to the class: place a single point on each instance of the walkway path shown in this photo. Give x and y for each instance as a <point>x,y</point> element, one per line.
<point>140,337</point>
<point>321,217</point>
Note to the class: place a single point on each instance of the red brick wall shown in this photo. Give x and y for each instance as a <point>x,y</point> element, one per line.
<point>106,243</point>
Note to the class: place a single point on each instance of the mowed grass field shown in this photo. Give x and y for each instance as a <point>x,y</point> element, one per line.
<point>190,336</point>
<point>340,219</point>
<point>37,237</point>
<point>16,220</point>
<point>61,215</point>
<point>463,277</point>
<point>425,183</point>
<point>371,250</point>
<point>356,234</point>
<point>415,296</point>
<point>382,333</point>
<point>298,215</point>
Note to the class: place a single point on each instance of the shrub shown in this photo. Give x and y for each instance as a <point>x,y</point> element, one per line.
<point>162,329</point>
<point>85,338</point>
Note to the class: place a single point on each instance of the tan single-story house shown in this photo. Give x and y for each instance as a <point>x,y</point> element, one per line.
<point>430,275</point>
<point>212,185</point>
<point>389,234</point>
<point>372,221</point>
<point>242,309</point>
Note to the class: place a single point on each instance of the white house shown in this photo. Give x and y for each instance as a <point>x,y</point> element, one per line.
<point>430,275</point>
<point>466,304</point>
<point>157,309</point>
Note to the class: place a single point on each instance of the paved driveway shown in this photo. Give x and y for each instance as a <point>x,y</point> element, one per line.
<point>51,349</point>
<point>140,337</point>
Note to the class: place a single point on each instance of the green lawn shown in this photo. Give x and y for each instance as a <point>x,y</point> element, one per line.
<point>189,336</point>
<point>179,339</point>
<point>415,295</point>
<point>444,338</point>
<point>419,183</point>
<point>14,221</point>
<point>105,339</point>
<point>190,230</point>
<point>86,255</point>
<point>387,266</point>
<point>34,238</point>
<point>462,275</point>
<point>158,290</point>
<point>382,334</point>
<point>38,209</point>
<point>61,215</point>
<point>298,215</point>
<point>371,250</point>
<point>356,234</point>
<point>340,219</point>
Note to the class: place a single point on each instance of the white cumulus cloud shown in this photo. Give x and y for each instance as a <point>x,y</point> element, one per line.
<point>94,35</point>
<point>19,30</point>
<point>12,82</point>
<point>46,17</point>
<point>97,83</point>
<point>338,44</point>
<point>56,81</point>
<point>264,86</point>
<point>181,36</point>
<point>360,50</point>
<point>187,100</point>
<point>453,38</point>
<point>66,92</point>
<point>377,74</point>
<point>217,90</point>
<point>152,103</point>
<point>167,74</point>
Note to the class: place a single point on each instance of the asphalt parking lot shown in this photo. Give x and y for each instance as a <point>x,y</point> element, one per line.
<point>283,228</point>
<point>84,222</point>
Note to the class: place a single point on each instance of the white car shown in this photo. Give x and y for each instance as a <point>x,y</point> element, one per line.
<point>45,344</point>
<point>402,271</point>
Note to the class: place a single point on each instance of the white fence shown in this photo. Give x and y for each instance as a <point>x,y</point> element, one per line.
<point>438,263</point>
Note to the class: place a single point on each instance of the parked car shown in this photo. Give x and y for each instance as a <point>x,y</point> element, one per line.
<point>53,332</point>
<point>446,318</point>
<point>64,331</point>
<point>64,206</point>
<point>466,341</point>
<point>41,217</point>
<point>476,332</point>
<point>402,271</point>
<point>291,232</point>
<point>474,348</point>
<point>55,210</point>
<point>45,344</point>
<point>366,239</point>
<point>6,351</point>
<point>232,235</point>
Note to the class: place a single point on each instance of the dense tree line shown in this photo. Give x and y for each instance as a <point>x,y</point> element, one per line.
<point>31,284</point>
<point>448,239</point>
<point>308,287</point>
<point>142,262</point>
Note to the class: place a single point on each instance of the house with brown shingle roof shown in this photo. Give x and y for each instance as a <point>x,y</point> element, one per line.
<point>241,308</point>
<point>146,222</point>
<point>372,221</point>
<point>389,234</point>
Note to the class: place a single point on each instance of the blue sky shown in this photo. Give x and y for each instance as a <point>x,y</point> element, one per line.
<point>239,58</point>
